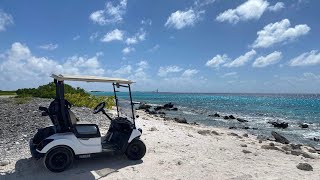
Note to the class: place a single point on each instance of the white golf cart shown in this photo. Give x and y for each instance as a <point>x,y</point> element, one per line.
<point>59,144</point>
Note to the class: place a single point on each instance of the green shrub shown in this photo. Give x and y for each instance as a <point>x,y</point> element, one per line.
<point>3,93</point>
<point>89,100</point>
<point>76,96</point>
<point>22,100</point>
<point>49,91</point>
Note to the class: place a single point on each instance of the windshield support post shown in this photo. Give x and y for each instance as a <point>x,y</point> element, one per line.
<point>115,98</point>
<point>132,106</point>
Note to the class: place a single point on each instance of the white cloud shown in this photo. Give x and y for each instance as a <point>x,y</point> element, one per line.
<point>278,6</point>
<point>279,32</point>
<point>146,22</point>
<point>94,36</point>
<point>139,36</point>
<point>76,37</point>
<point>251,9</point>
<point>132,40</point>
<point>270,59</point>
<point>311,76</point>
<point>189,73</point>
<point>49,46</point>
<point>164,71</point>
<point>127,50</point>
<point>111,13</point>
<point>124,70</point>
<point>242,60</point>
<point>19,64</point>
<point>201,3</point>
<point>181,19</point>
<point>139,73</point>
<point>230,74</point>
<point>115,35</point>
<point>5,20</point>
<point>154,48</point>
<point>306,59</point>
<point>217,60</point>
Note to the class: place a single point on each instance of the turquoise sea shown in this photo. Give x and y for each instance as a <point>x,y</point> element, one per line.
<point>258,109</point>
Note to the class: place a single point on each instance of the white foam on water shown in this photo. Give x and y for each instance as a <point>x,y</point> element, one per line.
<point>312,134</point>
<point>188,112</point>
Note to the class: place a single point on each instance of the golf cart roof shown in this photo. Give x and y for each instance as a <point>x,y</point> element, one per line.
<point>61,77</point>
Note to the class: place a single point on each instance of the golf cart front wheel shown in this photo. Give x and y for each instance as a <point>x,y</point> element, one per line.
<point>136,150</point>
<point>58,159</point>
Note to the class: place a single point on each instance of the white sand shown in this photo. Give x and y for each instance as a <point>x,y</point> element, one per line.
<point>178,151</point>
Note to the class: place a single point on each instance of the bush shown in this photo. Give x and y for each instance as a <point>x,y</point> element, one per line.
<point>76,96</point>
<point>89,100</point>
<point>7,93</point>
<point>49,91</point>
<point>22,100</point>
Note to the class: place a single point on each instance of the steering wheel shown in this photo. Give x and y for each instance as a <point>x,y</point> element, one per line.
<point>99,107</point>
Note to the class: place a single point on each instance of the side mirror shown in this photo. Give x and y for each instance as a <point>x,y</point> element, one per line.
<point>41,108</point>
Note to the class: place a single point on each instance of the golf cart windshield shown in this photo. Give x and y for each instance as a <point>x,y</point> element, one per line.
<point>125,109</point>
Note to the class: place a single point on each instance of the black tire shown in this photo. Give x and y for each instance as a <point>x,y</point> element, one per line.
<point>136,150</point>
<point>58,159</point>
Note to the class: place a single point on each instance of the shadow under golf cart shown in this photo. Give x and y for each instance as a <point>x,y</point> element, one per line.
<point>86,169</point>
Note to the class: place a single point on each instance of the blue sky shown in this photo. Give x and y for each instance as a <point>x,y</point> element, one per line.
<point>177,46</point>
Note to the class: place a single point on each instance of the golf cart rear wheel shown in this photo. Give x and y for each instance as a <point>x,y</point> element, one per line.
<point>136,150</point>
<point>58,159</point>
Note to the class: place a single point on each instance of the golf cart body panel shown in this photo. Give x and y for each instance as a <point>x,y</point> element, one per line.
<point>58,144</point>
<point>79,146</point>
<point>135,133</point>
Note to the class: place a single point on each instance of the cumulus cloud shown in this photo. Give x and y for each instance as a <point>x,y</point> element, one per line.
<point>139,74</point>
<point>230,74</point>
<point>217,60</point>
<point>311,76</point>
<point>5,20</point>
<point>94,36</point>
<point>139,36</point>
<point>18,63</point>
<point>278,6</point>
<point>242,60</point>
<point>251,9</point>
<point>268,60</point>
<point>128,50</point>
<point>164,71</point>
<point>49,46</point>
<point>154,48</point>
<point>279,32</point>
<point>110,14</point>
<point>182,19</point>
<point>306,59</point>
<point>115,35</point>
<point>76,37</point>
<point>189,73</point>
<point>124,70</point>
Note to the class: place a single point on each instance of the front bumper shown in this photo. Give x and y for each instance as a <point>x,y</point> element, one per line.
<point>33,150</point>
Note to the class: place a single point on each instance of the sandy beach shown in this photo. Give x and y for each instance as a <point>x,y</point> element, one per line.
<point>177,151</point>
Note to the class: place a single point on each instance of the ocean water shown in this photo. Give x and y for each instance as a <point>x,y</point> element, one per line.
<point>258,109</point>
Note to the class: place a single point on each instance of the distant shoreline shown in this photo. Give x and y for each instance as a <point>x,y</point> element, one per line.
<point>250,93</point>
